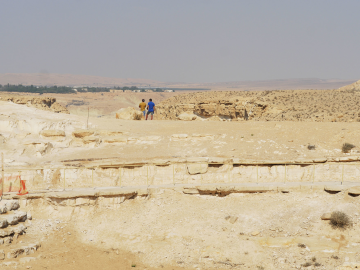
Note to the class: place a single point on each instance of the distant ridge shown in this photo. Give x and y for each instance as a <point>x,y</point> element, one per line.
<point>46,79</point>
<point>49,79</point>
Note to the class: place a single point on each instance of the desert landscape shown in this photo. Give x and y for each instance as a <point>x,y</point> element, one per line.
<point>219,180</point>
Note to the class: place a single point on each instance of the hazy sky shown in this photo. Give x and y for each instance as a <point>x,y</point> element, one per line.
<point>182,40</point>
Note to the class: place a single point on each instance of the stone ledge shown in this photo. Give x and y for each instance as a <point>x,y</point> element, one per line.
<point>214,189</point>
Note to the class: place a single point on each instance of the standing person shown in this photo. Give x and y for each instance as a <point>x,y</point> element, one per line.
<point>142,107</point>
<point>150,108</point>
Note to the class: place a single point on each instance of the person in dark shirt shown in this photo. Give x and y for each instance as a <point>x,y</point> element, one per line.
<point>150,109</point>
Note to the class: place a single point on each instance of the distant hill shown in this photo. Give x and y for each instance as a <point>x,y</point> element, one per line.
<point>44,79</point>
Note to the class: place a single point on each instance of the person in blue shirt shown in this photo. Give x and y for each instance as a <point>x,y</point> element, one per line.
<point>150,109</point>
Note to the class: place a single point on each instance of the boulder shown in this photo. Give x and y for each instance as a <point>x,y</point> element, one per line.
<point>3,223</point>
<point>231,219</point>
<point>215,118</point>
<point>52,133</point>
<point>8,205</point>
<point>129,113</point>
<point>187,116</point>
<point>326,216</point>
<point>197,168</point>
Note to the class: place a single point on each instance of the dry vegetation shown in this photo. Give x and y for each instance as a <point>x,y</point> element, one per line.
<point>346,148</point>
<point>340,220</point>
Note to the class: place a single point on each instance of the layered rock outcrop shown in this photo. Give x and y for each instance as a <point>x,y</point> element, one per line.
<point>235,109</point>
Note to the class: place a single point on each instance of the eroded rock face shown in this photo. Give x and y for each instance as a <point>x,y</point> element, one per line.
<point>81,133</point>
<point>220,110</point>
<point>196,168</point>
<point>43,103</point>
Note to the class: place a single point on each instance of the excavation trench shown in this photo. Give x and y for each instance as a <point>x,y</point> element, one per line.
<point>204,226</point>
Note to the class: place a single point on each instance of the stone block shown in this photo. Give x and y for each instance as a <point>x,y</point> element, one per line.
<point>90,139</point>
<point>197,168</point>
<point>334,188</point>
<point>218,160</point>
<point>207,189</point>
<point>81,201</point>
<point>319,160</point>
<point>354,190</point>
<point>80,133</point>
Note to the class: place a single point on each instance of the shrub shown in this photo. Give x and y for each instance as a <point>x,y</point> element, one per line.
<point>137,117</point>
<point>347,147</point>
<point>307,264</point>
<point>340,220</point>
<point>301,245</point>
<point>311,147</point>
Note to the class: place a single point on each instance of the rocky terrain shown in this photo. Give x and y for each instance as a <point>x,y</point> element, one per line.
<point>122,194</point>
<point>13,242</point>
<point>42,103</point>
<point>286,105</point>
